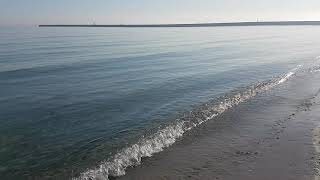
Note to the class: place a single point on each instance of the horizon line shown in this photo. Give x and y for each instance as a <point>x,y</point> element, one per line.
<point>244,23</point>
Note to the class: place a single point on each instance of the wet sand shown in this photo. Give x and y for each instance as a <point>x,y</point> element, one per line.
<point>276,135</point>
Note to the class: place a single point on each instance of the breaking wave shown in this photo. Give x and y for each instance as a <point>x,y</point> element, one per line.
<point>147,146</point>
<point>315,67</point>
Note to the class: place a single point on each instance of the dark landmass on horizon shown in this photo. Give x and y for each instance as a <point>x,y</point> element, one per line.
<point>262,23</point>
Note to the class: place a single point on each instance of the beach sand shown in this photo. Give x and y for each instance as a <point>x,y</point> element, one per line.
<point>275,135</point>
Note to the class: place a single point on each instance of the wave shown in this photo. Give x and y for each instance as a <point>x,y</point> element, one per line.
<point>147,146</point>
<point>315,67</point>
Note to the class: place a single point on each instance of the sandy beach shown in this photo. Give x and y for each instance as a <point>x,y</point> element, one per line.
<point>272,136</point>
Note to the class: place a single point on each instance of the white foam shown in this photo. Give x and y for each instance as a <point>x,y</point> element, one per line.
<point>146,147</point>
<point>315,67</point>
<point>132,155</point>
<point>289,74</point>
<point>284,79</point>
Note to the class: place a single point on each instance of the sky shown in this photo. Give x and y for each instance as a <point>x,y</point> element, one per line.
<point>34,12</point>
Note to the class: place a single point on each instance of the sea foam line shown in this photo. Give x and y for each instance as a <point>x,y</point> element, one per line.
<point>146,147</point>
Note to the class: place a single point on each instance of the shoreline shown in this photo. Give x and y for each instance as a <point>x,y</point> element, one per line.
<point>165,138</point>
<point>273,136</point>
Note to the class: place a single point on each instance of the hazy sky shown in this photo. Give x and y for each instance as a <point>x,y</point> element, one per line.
<point>14,12</point>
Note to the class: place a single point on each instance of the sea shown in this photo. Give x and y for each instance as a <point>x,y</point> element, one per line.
<point>87,103</point>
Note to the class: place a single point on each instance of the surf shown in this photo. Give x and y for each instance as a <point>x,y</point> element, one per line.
<point>147,146</point>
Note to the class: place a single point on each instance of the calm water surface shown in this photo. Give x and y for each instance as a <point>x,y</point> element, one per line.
<point>71,98</point>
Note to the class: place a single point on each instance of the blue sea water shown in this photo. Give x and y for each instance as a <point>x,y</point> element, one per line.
<point>74,101</point>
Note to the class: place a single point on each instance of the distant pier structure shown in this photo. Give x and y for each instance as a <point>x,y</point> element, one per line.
<point>257,23</point>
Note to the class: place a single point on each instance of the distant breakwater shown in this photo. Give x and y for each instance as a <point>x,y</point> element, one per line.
<point>266,23</point>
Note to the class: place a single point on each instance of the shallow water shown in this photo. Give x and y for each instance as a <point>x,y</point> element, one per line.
<point>74,98</point>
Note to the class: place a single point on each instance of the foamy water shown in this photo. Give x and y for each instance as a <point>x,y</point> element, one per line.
<point>146,147</point>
